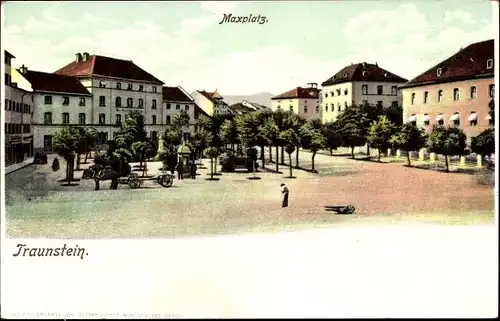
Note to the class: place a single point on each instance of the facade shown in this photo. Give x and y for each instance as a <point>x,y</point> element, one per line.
<point>58,101</point>
<point>357,84</point>
<point>301,101</point>
<point>455,92</point>
<point>176,100</point>
<point>18,110</point>
<point>117,87</point>
<point>212,103</point>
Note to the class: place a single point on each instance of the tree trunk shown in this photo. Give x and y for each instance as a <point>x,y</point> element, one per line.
<point>331,151</point>
<point>379,152</point>
<point>215,165</point>
<point>67,171</point>
<point>408,158</point>
<point>352,152</point>
<point>297,157</point>
<point>86,157</point>
<point>77,162</point>
<point>253,168</point>
<point>290,160</point>
<point>270,153</point>
<point>144,168</point>
<point>262,156</point>
<point>277,159</point>
<point>211,168</point>
<point>72,169</point>
<point>282,155</point>
<point>96,184</point>
<point>312,160</point>
<point>446,163</point>
<point>367,149</point>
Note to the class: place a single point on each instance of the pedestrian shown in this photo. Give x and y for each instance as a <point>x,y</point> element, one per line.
<point>179,171</point>
<point>195,168</point>
<point>285,192</point>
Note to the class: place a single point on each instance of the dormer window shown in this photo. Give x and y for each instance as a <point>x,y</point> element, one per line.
<point>386,75</point>
<point>439,72</point>
<point>346,74</point>
<point>365,73</point>
<point>489,64</point>
<point>102,84</point>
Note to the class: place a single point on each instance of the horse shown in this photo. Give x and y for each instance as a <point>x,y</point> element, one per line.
<point>102,173</point>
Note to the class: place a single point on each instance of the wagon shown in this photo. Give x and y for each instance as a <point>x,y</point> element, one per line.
<point>134,181</point>
<point>341,209</point>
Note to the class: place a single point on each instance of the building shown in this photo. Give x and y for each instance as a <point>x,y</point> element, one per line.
<point>58,101</point>
<point>18,109</point>
<point>245,107</point>
<point>176,100</point>
<point>117,87</point>
<point>301,101</point>
<point>357,84</point>
<point>456,91</point>
<point>212,103</point>
<point>255,106</point>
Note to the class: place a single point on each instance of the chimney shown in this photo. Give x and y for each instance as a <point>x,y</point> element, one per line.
<point>376,64</point>
<point>23,70</point>
<point>85,56</point>
<point>78,57</point>
<point>364,64</point>
<point>312,85</point>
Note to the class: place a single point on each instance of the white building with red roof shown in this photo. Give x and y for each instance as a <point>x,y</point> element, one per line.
<point>117,86</point>
<point>211,103</point>
<point>303,101</point>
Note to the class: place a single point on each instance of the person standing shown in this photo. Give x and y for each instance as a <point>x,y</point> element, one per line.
<point>194,168</point>
<point>179,171</point>
<point>284,192</point>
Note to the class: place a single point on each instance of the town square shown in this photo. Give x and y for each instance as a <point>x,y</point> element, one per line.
<point>104,143</point>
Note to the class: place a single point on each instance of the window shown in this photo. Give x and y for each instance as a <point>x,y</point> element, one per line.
<point>154,136</point>
<point>439,72</point>
<point>279,107</point>
<point>168,106</point>
<point>47,118</point>
<point>153,119</point>
<point>141,103</point>
<point>440,96</point>
<point>326,95</point>
<point>338,92</point>
<point>473,92</point>
<point>473,119</point>
<point>440,119</point>
<point>489,64</point>
<point>129,86</point>
<point>426,120</point>
<point>492,91</point>
<point>365,102</point>
<point>305,109</point>
<point>82,101</point>
<point>365,73</point>
<point>291,108</point>
<point>130,102</point>
<point>177,106</point>
<point>339,107</point>
<point>102,84</point>
<point>426,97</point>
<point>186,107</point>
<point>412,98</point>
<point>118,119</point>
<point>345,104</point>
<point>394,90</point>
<point>102,119</point>
<point>326,107</point>
<point>455,118</point>
<point>81,119</point>
<point>456,94</point>
<point>364,90</point>
<point>317,109</point>
<point>141,87</point>
<point>380,103</point>
<point>65,101</point>
<point>48,100</point>
<point>154,89</point>
<point>153,104</point>
<point>47,142</point>
<point>413,120</point>
<point>118,101</point>
<point>380,90</point>
<point>118,85</point>
<point>345,91</point>
<point>168,119</point>
<point>65,118</point>
<point>102,101</point>
<point>332,93</point>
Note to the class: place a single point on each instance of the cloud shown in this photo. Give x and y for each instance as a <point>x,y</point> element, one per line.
<point>461,16</point>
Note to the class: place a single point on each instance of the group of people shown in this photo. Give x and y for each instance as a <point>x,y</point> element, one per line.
<point>192,170</point>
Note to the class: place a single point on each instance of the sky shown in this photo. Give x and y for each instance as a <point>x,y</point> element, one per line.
<point>182,43</point>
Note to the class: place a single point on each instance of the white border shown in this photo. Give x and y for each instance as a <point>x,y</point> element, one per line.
<point>363,272</point>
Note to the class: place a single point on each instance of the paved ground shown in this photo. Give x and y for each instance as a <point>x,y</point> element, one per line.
<point>382,193</point>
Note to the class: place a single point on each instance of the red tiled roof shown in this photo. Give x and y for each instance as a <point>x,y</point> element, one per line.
<point>175,94</point>
<point>299,92</point>
<point>211,95</point>
<point>468,63</point>
<point>108,67</point>
<point>363,72</point>
<point>42,81</point>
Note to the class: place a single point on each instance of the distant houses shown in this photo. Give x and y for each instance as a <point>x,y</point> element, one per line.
<point>303,101</point>
<point>211,103</point>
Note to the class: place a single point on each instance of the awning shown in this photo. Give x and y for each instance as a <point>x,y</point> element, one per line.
<point>412,118</point>
<point>488,117</point>
<point>472,116</point>
<point>439,117</point>
<point>426,117</point>
<point>454,117</point>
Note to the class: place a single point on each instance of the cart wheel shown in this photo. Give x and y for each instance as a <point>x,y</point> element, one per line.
<point>349,209</point>
<point>165,181</point>
<point>134,183</point>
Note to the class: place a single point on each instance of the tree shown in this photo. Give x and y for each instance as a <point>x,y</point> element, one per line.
<point>81,143</point>
<point>447,141</point>
<point>380,133</point>
<point>371,114</point>
<point>64,144</point>
<point>252,156</point>
<point>313,140</point>
<point>484,143</point>
<point>200,141</point>
<point>142,150</point>
<point>271,132</point>
<point>92,137</point>
<point>292,126</point>
<point>394,114</point>
<point>333,138</point>
<point>250,131</point>
<point>409,138</point>
<point>289,150</point>
<point>181,120</point>
<point>229,133</point>
<point>212,153</point>
<point>351,124</point>
<point>280,117</point>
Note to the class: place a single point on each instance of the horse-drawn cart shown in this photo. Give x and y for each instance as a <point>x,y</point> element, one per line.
<point>133,180</point>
